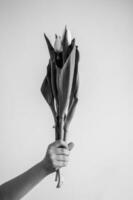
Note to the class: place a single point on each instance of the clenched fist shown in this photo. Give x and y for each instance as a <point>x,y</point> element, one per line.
<point>57,156</point>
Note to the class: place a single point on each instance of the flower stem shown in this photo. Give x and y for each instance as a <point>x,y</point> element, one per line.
<point>59,135</point>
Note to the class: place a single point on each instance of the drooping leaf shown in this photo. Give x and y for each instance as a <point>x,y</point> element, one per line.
<point>46,90</point>
<point>50,47</point>
<point>65,81</point>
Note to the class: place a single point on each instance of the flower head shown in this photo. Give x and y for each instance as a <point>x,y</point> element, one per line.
<point>64,58</point>
<point>58,44</point>
<point>67,36</point>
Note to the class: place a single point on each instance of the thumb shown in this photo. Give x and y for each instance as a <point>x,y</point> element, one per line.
<point>70,146</point>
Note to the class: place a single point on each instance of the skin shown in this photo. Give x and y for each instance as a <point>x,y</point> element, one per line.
<point>56,157</point>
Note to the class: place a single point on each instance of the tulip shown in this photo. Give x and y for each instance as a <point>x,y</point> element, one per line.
<point>60,86</point>
<point>57,44</point>
<point>67,35</point>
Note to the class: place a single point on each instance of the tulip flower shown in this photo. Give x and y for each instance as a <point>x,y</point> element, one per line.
<point>57,44</point>
<point>60,86</point>
<point>67,36</point>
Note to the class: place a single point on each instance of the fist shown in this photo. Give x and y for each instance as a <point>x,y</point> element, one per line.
<point>57,156</point>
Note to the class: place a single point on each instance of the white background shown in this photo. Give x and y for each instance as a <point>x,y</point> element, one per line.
<point>101,164</point>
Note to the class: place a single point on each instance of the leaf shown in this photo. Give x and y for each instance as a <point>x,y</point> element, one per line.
<point>76,87</point>
<point>75,84</point>
<point>65,80</point>
<point>50,47</point>
<point>46,90</point>
<point>53,80</point>
<point>68,50</point>
<point>69,116</point>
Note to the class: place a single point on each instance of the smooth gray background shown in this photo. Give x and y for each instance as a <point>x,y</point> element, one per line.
<point>101,164</point>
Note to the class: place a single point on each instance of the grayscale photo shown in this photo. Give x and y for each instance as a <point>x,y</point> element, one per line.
<point>66,106</point>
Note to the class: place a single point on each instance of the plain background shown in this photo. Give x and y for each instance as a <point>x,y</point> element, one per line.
<point>101,164</point>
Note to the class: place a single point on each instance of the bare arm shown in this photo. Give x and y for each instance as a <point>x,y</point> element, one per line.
<point>16,188</point>
<point>55,158</point>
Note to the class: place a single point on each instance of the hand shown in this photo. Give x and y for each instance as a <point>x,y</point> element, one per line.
<point>57,156</point>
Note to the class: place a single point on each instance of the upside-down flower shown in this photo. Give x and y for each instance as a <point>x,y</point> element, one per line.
<point>60,86</point>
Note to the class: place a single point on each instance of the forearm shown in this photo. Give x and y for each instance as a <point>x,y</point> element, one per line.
<point>16,188</point>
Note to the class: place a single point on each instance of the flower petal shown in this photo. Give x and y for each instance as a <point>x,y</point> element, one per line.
<point>58,44</point>
<point>64,39</point>
<point>68,50</point>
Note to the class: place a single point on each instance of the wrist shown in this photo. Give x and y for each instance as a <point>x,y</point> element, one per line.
<point>46,168</point>
<point>43,168</point>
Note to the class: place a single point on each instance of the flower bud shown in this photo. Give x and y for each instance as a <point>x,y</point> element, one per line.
<point>67,35</point>
<point>57,44</point>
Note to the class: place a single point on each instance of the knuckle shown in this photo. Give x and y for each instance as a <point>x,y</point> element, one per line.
<point>62,151</point>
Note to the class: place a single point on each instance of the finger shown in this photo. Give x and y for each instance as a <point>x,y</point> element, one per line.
<point>59,164</point>
<point>62,151</point>
<point>61,144</point>
<point>62,158</point>
<point>70,146</point>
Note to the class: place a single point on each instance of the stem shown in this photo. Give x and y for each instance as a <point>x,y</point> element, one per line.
<point>59,130</point>
<point>56,176</point>
<point>59,135</point>
<point>59,179</point>
<point>65,134</point>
